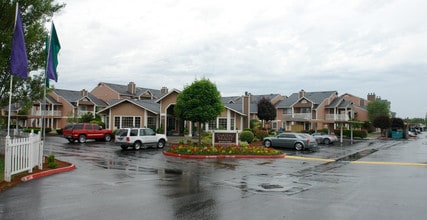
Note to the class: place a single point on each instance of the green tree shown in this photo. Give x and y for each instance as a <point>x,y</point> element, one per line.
<point>35,14</point>
<point>86,118</point>
<point>397,123</point>
<point>200,102</point>
<point>376,108</point>
<point>383,122</point>
<point>266,110</point>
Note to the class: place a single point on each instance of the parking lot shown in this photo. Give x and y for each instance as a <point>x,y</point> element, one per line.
<point>110,183</point>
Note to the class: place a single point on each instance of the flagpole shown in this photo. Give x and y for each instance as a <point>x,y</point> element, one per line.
<point>45,85</point>
<point>11,80</point>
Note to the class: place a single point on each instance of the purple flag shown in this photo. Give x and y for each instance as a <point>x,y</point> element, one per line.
<point>18,55</point>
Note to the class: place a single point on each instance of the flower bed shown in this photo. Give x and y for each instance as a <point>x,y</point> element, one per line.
<point>231,151</point>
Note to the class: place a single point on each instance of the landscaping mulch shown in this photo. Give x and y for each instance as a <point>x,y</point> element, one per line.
<point>16,179</point>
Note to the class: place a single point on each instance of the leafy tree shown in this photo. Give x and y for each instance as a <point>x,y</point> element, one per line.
<point>86,118</point>
<point>397,123</point>
<point>415,120</point>
<point>382,121</point>
<point>266,110</point>
<point>200,102</point>
<point>376,108</point>
<point>368,126</point>
<point>34,16</point>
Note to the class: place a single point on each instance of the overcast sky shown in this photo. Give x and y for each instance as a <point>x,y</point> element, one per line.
<point>263,47</point>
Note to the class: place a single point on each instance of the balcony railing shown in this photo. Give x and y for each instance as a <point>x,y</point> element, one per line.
<point>48,113</point>
<point>337,117</point>
<point>302,115</point>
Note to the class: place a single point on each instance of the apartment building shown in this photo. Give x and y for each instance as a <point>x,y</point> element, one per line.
<point>132,106</point>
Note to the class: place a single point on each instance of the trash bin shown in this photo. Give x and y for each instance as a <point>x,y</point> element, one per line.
<point>397,134</point>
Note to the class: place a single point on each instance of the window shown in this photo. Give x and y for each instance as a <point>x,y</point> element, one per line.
<point>232,123</point>
<point>212,125</point>
<point>117,122</point>
<point>78,126</point>
<point>171,123</point>
<point>287,111</point>
<point>134,132</point>
<point>305,110</point>
<point>137,122</point>
<point>127,121</point>
<point>149,132</point>
<point>96,127</point>
<point>151,122</point>
<point>222,124</point>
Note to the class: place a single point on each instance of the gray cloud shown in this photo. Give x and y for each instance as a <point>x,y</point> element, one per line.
<point>355,47</point>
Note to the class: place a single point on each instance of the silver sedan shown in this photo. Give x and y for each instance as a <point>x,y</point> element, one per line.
<point>298,141</point>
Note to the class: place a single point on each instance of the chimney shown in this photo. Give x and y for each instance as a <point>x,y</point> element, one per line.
<point>83,92</point>
<point>164,90</point>
<point>132,88</point>
<point>371,96</point>
<point>301,93</point>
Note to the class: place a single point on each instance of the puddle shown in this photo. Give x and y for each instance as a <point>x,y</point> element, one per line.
<point>358,155</point>
<point>266,183</point>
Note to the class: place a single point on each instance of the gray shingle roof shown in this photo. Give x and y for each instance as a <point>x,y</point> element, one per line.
<point>148,104</point>
<point>315,97</point>
<point>235,102</point>
<point>74,96</point>
<point>123,90</point>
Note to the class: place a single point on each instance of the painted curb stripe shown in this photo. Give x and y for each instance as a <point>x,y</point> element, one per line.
<point>309,158</point>
<point>358,162</point>
<point>188,156</point>
<point>388,163</point>
<point>48,172</point>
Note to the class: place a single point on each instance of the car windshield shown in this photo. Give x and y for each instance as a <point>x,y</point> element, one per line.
<point>122,132</point>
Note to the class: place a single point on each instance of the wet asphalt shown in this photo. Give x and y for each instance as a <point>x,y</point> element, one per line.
<point>110,183</point>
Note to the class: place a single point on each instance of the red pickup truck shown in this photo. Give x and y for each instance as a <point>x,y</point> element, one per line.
<point>84,131</point>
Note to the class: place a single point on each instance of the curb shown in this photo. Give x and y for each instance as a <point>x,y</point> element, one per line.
<point>222,156</point>
<point>47,173</point>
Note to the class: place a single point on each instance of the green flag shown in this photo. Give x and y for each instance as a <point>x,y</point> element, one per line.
<point>52,60</point>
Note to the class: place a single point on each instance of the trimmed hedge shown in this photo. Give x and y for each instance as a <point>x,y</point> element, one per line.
<point>247,136</point>
<point>356,133</point>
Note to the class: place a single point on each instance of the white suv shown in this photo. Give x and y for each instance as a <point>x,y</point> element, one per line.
<point>139,138</point>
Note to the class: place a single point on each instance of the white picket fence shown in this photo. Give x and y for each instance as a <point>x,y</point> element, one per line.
<point>23,154</point>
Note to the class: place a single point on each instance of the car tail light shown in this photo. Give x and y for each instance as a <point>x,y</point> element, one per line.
<point>127,139</point>
<point>308,140</point>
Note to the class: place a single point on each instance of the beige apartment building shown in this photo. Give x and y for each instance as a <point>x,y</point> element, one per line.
<point>132,106</point>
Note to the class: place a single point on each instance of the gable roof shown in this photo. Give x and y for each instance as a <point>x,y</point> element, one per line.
<point>73,97</point>
<point>147,104</point>
<point>339,103</point>
<point>314,97</point>
<point>123,90</point>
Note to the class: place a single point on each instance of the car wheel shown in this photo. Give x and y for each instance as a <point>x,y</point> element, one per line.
<point>327,141</point>
<point>299,146</point>
<point>70,140</point>
<point>137,145</point>
<point>82,138</point>
<point>107,137</point>
<point>124,147</point>
<point>267,143</point>
<point>161,144</point>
